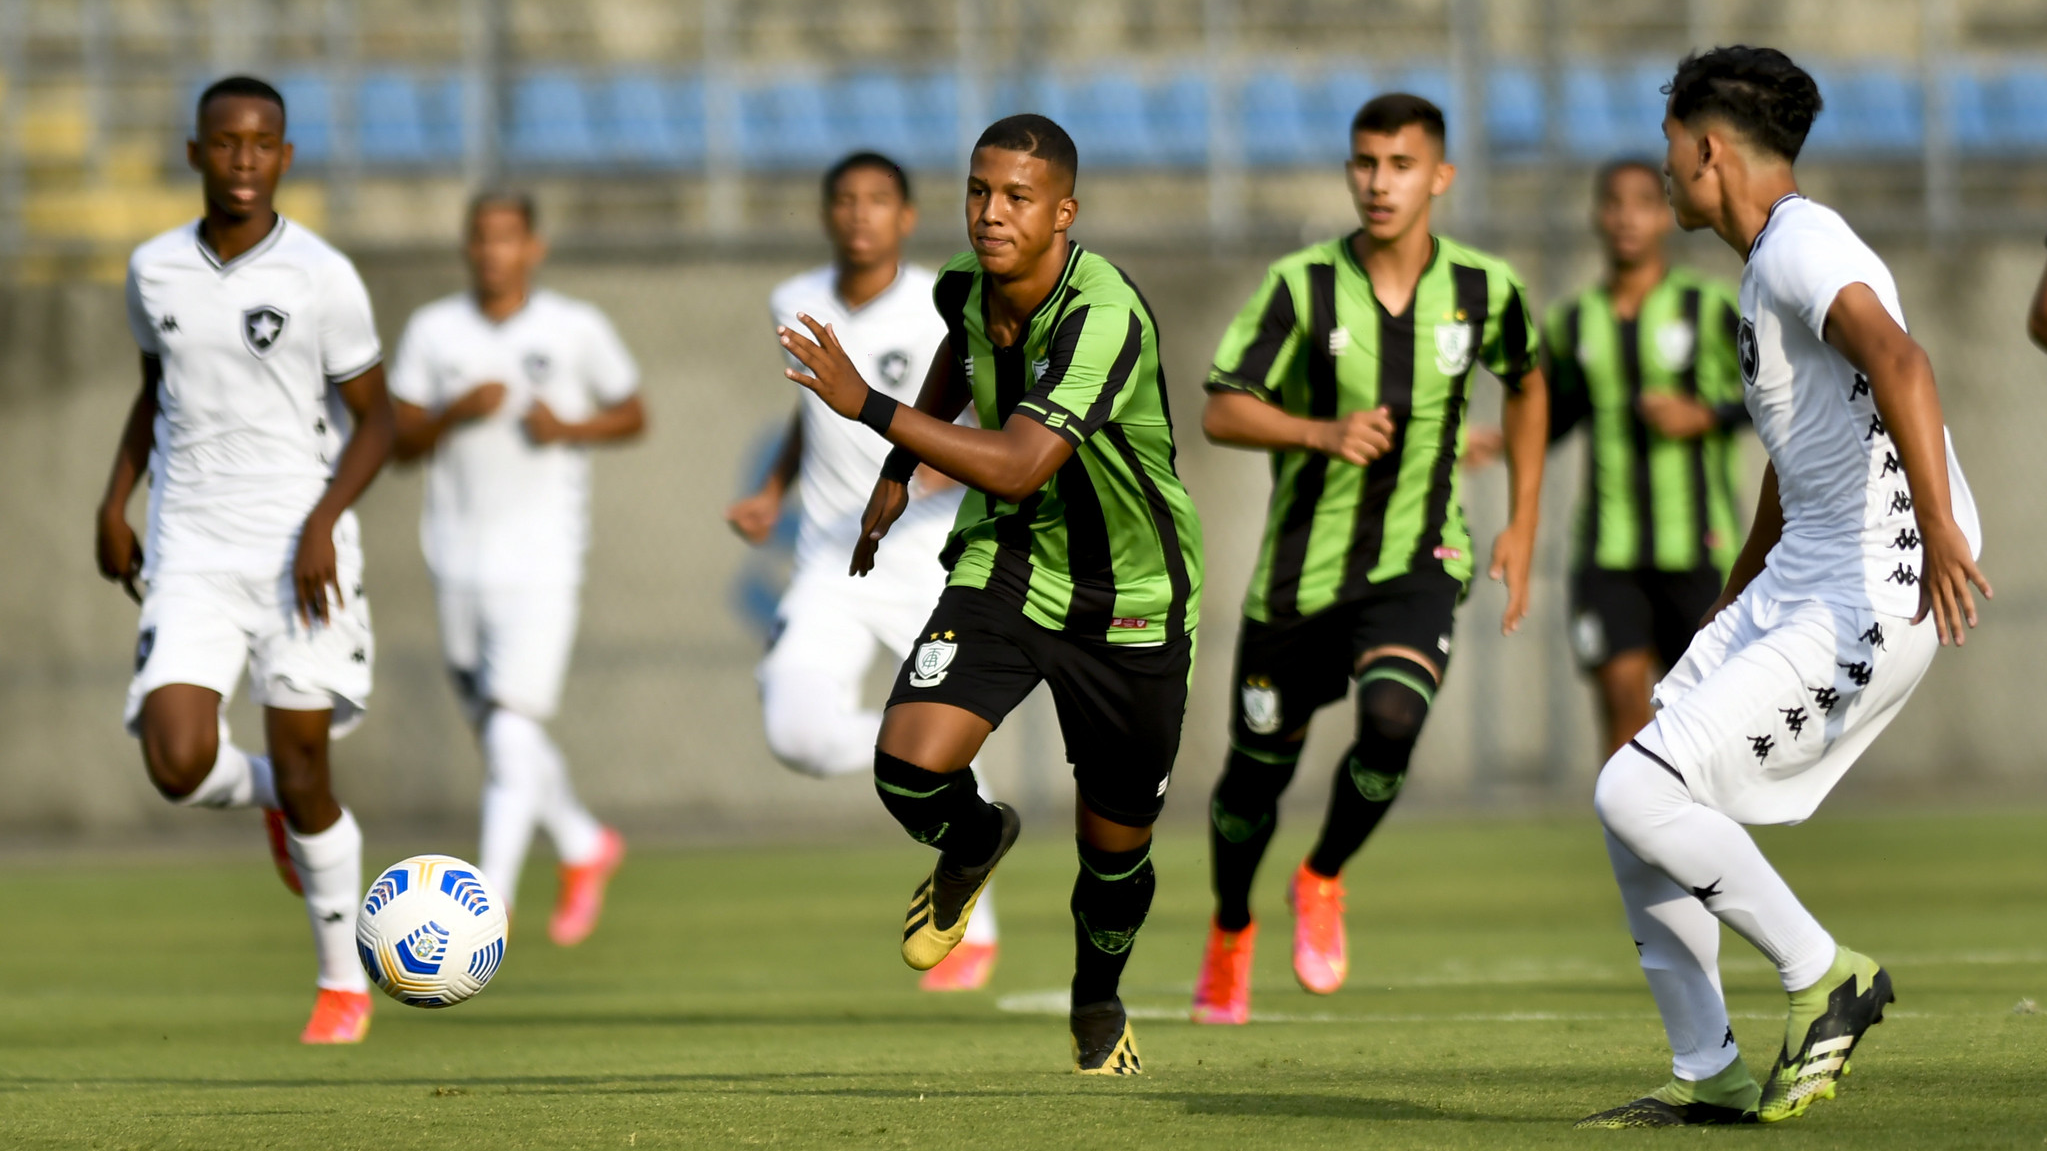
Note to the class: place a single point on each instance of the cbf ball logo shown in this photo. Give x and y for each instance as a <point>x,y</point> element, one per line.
<point>1745,344</point>
<point>934,655</point>
<point>262,328</point>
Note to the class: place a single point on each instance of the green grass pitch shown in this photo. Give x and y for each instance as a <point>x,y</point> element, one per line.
<point>741,998</point>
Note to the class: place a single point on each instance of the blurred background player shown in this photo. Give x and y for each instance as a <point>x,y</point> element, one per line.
<point>1076,563</point>
<point>259,353</point>
<point>1351,364</point>
<point>1863,528</point>
<point>1646,359</point>
<point>828,622</point>
<point>507,386</point>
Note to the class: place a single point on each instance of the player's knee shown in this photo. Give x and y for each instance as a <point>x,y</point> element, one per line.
<point>1634,792</point>
<point>796,746</point>
<point>1246,799</point>
<point>1393,699</point>
<point>179,758</point>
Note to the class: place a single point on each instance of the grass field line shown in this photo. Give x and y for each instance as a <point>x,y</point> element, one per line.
<point>1055,1001</point>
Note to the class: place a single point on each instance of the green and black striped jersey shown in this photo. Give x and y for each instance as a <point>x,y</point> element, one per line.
<point>1110,547</point>
<point>1315,340</point>
<point>1651,503</point>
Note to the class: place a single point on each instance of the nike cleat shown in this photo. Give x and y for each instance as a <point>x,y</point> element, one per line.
<point>1321,954</point>
<point>1223,992</point>
<point>967,968</point>
<point>280,851</point>
<point>1727,1098</point>
<point>942,904</point>
<point>579,900</point>
<point>1103,1043</point>
<point>1827,1020</point>
<point>338,1017</point>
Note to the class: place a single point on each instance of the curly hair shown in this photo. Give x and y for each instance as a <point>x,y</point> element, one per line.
<point>1759,91</point>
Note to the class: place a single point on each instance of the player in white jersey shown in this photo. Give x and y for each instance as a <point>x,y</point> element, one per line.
<point>507,386</point>
<point>258,356</point>
<point>828,623</point>
<point>1865,527</point>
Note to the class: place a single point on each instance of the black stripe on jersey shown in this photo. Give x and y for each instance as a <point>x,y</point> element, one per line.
<point>1011,577</point>
<point>1162,522</point>
<point>1165,400</point>
<point>1688,382</point>
<point>1088,561</point>
<point>1382,475</point>
<point>1472,299</point>
<point>1274,327</point>
<point>1290,551</point>
<point>1630,336</point>
<point>1514,339</point>
<point>950,296</point>
<point>1588,529</point>
<point>1119,374</point>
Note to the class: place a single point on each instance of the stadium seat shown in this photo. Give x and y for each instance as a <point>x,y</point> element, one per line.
<point>310,102</point>
<point>934,115</point>
<point>1107,117</point>
<point>874,112</point>
<point>649,119</point>
<point>1273,121</point>
<point>1972,120</point>
<point>1344,89</point>
<point>1869,110</point>
<point>551,122</point>
<point>785,126</point>
<point>391,120</point>
<point>1514,121</point>
<point>2021,109</point>
<point>1179,119</point>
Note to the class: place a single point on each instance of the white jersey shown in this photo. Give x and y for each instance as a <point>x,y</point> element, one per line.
<point>248,425</point>
<point>891,339</point>
<point>501,509</point>
<point>1849,533</point>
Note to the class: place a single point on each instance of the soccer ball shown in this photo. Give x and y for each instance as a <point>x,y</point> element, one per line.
<point>431,932</point>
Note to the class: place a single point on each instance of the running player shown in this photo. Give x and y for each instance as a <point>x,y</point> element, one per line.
<point>1076,562</point>
<point>1352,365</point>
<point>259,354</point>
<point>1646,358</point>
<point>827,624</point>
<point>507,386</point>
<point>1863,529</point>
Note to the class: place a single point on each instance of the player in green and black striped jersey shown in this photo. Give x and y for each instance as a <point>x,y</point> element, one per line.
<point>1352,365</point>
<point>1646,361</point>
<point>1076,562</point>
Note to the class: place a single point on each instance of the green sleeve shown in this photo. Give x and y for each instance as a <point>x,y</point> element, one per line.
<point>1091,357</point>
<point>1258,349</point>
<point>1510,346</point>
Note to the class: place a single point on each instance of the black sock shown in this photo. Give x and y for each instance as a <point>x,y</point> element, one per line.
<point>943,810</point>
<point>1110,900</point>
<point>1390,715</point>
<point>1241,819</point>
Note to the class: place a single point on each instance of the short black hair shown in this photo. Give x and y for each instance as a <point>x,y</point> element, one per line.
<point>1386,114</point>
<point>1758,91</point>
<point>1602,180</point>
<point>1034,135</point>
<point>240,86</point>
<point>517,200</point>
<point>858,160</point>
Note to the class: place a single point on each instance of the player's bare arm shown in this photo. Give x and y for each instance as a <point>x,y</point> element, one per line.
<point>1242,420</point>
<point>314,571</point>
<point>1901,382</point>
<point>120,553</point>
<point>2036,316</point>
<point>753,516</point>
<point>417,430</point>
<point>621,421</point>
<point>1525,425</point>
<point>943,395</point>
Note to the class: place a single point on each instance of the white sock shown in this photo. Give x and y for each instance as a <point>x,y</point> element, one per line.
<point>981,928</point>
<point>577,835</point>
<point>1648,808</point>
<point>237,779</point>
<point>815,724</point>
<point>329,864</point>
<point>1679,941</point>
<point>515,786</point>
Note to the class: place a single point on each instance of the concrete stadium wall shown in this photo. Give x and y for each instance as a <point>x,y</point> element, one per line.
<point>661,720</point>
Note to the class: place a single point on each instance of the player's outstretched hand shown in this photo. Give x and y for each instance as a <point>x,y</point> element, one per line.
<point>754,517</point>
<point>314,571</point>
<point>832,374</point>
<point>1944,578</point>
<point>1358,438</point>
<point>120,554</point>
<point>543,426</point>
<point>1513,554</point>
<point>883,508</point>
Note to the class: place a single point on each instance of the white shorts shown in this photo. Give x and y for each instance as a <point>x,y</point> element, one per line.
<point>829,621</point>
<point>1776,699</point>
<point>204,628</point>
<point>508,644</point>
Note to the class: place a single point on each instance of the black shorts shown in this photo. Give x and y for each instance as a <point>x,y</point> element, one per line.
<point>1286,672</point>
<point>1621,611</point>
<point>1120,706</point>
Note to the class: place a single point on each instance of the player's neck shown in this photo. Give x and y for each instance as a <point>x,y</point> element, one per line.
<point>1395,266</point>
<point>498,307</point>
<point>1012,300</point>
<point>858,284</point>
<point>1746,205</point>
<point>1628,284</point>
<point>230,236</point>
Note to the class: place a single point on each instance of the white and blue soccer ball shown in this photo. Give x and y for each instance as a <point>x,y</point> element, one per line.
<point>432,931</point>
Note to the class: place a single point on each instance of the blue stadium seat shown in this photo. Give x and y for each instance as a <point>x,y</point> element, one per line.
<point>1179,119</point>
<point>2021,110</point>
<point>1344,89</point>
<point>391,120</point>
<point>1514,111</point>
<point>786,126</point>
<point>649,119</point>
<point>1870,110</point>
<point>1274,122</point>
<point>1427,81</point>
<point>1107,117</point>
<point>1972,120</point>
<point>309,104</point>
<point>551,122</point>
<point>874,112</point>
<point>934,114</point>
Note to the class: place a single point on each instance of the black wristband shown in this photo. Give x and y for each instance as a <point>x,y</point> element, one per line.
<point>878,410</point>
<point>900,465</point>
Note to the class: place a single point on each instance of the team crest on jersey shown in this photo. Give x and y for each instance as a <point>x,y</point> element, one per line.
<point>933,657</point>
<point>537,366</point>
<point>1039,368</point>
<point>262,327</point>
<point>1676,341</point>
<point>1745,345</point>
<point>1339,341</point>
<point>894,368</point>
<point>1455,345</point>
<point>1261,705</point>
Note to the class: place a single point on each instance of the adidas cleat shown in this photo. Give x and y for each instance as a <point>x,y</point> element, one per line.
<point>1321,951</point>
<point>280,850</point>
<point>1223,993</point>
<point>1827,1020</point>
<point>1727,1098</point>
<point>1103,1043</point>
<point>338,1017</point>
<point>942,904</point>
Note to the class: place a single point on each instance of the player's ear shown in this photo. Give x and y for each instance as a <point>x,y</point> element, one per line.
<point>907,218</point>
<point>1068,212</point>
<point>192,153</point>
<point>284,164</point>
<point>1446,175</point>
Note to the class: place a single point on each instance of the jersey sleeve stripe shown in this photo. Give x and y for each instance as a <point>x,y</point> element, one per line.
<point>356,373</point>
<point>1275,330</point>
<point>1514,343</point>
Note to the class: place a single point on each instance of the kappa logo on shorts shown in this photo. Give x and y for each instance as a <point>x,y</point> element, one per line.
<point>1825,698</point>
<point>1261,706</point>
<point>262,327</point>
<point>1794,720</point>
<point>144,644</point>
<point>934,655</point>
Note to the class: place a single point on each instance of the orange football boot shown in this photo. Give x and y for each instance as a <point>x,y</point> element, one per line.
<point>280,851</point>
<point>338,1017</point>
<point>1321,954</point>
<point>966,968</point>
<point>581,896</point>
<point>1223,993</point>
